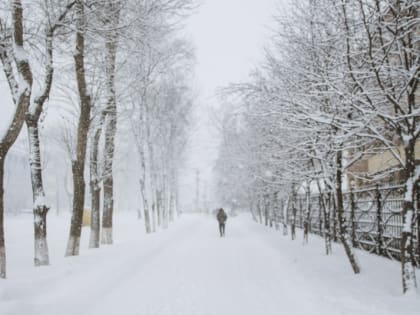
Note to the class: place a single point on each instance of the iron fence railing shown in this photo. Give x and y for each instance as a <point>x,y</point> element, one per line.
<point>373,218</point>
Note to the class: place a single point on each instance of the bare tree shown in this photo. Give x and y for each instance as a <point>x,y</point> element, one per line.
<point>112,12</point>
<point>386,91</point>
<point>78,163</point>
<point>32,122</point>
<point>21,87</point>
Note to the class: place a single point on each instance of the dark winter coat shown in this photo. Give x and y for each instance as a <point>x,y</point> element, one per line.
<point>221,216</point>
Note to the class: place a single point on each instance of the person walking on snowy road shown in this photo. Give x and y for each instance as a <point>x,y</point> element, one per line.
<point>221,217</point>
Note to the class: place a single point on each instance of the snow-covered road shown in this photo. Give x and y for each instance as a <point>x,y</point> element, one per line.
<point>189,269</point>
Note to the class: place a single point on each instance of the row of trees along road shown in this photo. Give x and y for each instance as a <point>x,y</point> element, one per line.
<point>130,68</point>
<point>339,83</point>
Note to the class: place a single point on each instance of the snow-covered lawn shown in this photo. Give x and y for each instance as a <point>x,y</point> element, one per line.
<point>189,269</point>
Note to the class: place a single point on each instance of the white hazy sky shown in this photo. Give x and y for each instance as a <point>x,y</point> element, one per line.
<point>229,37</point>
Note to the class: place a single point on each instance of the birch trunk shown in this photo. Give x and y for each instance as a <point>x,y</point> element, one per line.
<point>142,147</point>
<point>78,165</point>
<point>149,167</point>
<point>40,209</point>
<point>143,191</point>
<point>95,189</point>
<point>109,178</point>
<point>113,10</point>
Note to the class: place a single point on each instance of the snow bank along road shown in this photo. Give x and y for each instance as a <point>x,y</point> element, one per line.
<point>189,269</point>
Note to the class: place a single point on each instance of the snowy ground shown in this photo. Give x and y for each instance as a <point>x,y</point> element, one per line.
<point>188,269</point>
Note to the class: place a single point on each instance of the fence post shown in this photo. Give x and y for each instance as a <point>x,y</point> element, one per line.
<point>285,211</point>
<point>352,217</point>
<point>334,218</point>
<point>418,224</point>
<point>320,203</point>
<point>281,207</point>
<point>379,225</point>
<point>276,210</point>
<point>300,211</point>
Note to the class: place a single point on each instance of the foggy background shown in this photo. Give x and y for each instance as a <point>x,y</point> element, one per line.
<point>228,44</point>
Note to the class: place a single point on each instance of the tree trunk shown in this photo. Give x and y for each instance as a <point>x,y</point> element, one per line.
<point>276,210</point>
<point>142,147</point>
<point>2,242</point>
<point>177,207</point>
<point>40,209</point>
<point>325,209</point>
<point>95,190</point>
<point>307,214</point>
<point>68,191</point>
<point>21,92</point>
<point>172,201</point>
<point>108,179</point>
<point>327,228</point>
<point>165,202</point>
<point>73,244</point>
<point>153,215</point>
<point>418,223</point>
<point>259,211</point>
<point>151,166</point>
<point>108,212</point>
<point>344,238</point>
<point>78,165</point>
<point>153,195</point>
<point>334,218</point>
<point>172,193</point>
<point>145,206</point>
<point>408,260</point>
<point>285,215</point>
<point>107,216</point>
<point>294,211</point>
<point>251,209</point>
<point>111,123</point>
<point>159,210</point>
<point>95,216</point>
<point>265,203</point>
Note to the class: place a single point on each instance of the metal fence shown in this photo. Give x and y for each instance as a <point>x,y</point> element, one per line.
<point>373,217</point>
